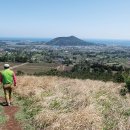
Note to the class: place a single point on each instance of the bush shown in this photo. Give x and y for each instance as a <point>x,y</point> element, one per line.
<point>123,91</point>
<point>118,78</point>
<point>19,72</point>
<point>127,81</point>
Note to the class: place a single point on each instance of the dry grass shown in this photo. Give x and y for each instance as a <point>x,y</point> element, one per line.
<point>72,104</point>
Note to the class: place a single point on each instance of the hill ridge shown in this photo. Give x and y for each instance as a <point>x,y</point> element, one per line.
<point>68,41</point>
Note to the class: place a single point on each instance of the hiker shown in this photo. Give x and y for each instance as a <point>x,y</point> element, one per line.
<point>8,79</point>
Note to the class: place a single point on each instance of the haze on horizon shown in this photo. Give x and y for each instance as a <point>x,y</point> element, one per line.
<point>102,19</point>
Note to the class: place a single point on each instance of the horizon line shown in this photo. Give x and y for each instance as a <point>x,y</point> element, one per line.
<point>28,38</point>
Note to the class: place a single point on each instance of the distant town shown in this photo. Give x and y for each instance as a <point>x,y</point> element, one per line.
<point>50,52</point>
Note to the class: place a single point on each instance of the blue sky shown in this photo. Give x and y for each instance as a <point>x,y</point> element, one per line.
<point>103,19</point>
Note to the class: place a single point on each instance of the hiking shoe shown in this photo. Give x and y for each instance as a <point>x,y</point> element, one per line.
<point>5,104</point>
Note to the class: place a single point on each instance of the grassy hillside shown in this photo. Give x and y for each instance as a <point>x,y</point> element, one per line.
<point>54,103</point>
<point>3,117</point>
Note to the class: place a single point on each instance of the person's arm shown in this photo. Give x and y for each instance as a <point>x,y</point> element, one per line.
<point>0,78</point>
<point>14,78</point>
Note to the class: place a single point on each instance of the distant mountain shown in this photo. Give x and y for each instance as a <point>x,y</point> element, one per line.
<point>68,41</point>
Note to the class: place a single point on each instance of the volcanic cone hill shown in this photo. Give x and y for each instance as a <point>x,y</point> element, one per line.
<point>68,41</point>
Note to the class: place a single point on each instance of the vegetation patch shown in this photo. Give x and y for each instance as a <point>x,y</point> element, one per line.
<point>86,70</point>
<point>50,102</point>
<point>55,104</point>
<point>111,109</point>
<point>28,109</point>
<point>3,117</point>
<point>127,112</point>
<point>123,91</point>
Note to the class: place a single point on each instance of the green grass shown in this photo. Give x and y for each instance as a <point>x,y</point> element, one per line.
<point>24,114</point>
<point>109,109</point>
<point>27,112</point>
<point>112,110</point>
<point>3,117</point>
<point>127,112</point>
<point>55,104</point>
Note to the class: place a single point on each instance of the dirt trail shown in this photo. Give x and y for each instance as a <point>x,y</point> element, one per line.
<point>10,111</point>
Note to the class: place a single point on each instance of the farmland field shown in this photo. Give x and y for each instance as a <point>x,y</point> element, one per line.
<point>31,68</point>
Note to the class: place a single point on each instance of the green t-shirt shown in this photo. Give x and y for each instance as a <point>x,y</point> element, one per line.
<point>7,76</point>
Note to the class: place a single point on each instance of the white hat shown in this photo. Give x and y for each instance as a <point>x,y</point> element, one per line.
<point>6,65</point>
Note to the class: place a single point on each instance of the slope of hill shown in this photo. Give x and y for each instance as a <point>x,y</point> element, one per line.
<point>54,103</point>
<point>68,41</point>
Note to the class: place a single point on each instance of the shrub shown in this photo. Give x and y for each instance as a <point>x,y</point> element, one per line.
<point>123,91</point>
<point>19,72</point>
<point>127,112</point>
<point>127,81</point>
<point>118,78</point>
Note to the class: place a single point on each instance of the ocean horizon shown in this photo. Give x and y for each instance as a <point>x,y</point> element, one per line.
<point>111,42</point>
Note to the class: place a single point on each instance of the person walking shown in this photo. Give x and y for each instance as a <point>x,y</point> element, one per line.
<point>8,79</point>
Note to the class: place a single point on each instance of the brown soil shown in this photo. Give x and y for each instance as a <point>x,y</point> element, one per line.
<point>10,111</point>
